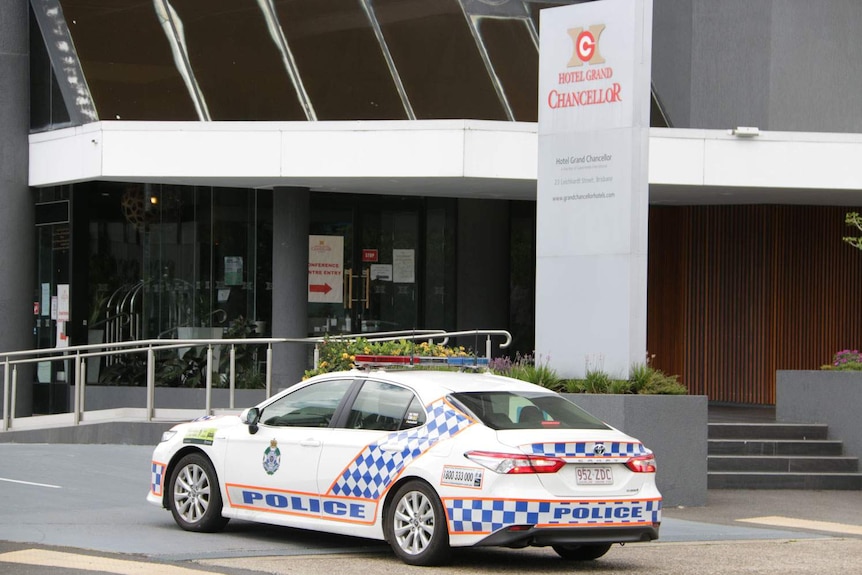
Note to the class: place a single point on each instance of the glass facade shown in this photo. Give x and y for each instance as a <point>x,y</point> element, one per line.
<point>150,260</point>
<point>288,60</point>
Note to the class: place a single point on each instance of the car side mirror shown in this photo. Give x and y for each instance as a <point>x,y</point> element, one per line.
<point>251,417</point>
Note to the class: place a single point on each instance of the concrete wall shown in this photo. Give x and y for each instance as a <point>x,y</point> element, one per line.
<point>114,433</point>
<point>672,58</point>
<point>674,427</point>
<point>790,65</point>
<point>17,251</point>
<point>113,397</point>
<point>830,397</point>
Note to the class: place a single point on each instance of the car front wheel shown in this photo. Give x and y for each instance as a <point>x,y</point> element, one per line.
<point>581,552</point>
<point>193,495</point>
<point>416,525</point>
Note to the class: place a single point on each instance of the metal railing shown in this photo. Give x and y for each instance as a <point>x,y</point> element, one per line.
<point>77,356</point>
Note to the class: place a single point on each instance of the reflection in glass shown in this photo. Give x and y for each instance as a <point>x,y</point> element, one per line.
<point>340,60</point>
<point>238,66</point>
<point>515,57</point>
<point>126,60</point>
<point>174,32</point>
<point>304,60</point>
<point>52,39</point>
<point>169,261</point>
<point>437,58</point>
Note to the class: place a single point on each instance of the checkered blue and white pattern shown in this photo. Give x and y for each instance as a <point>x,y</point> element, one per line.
<point>489,515</point>
<point>158,477</point>
<point>587,449</point>
<point>374,469</point>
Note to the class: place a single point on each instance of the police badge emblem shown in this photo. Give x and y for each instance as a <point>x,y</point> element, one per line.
<point>271,458</point>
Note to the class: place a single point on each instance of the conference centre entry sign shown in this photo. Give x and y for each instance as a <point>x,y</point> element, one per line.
<point>592,197</point>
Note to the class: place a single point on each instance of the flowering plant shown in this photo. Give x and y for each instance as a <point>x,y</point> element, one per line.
<point>849,359</point>
<point>337,354</point>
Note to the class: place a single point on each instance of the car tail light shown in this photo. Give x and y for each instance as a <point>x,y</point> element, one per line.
<point>512,463</point>
<point>642,464</point>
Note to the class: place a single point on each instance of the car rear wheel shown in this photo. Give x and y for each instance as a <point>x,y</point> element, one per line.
<point>581,552</point>
<point>193,495</point>
<point>415,525</point>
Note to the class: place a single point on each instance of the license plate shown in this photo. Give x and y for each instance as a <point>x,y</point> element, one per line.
<point>594,476</point>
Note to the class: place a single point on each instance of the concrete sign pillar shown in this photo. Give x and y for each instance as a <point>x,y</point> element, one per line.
<point>592,200</point>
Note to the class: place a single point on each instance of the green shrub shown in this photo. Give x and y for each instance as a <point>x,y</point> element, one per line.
<point>620,386</point>
<point>644,380</point>
<point>525,368</point>
<point>596,381</point>
<point>339,354</point>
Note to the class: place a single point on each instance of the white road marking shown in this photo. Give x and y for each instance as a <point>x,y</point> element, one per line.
<point>45,558</point>
<point>30,483</point>
<point>776,521</point>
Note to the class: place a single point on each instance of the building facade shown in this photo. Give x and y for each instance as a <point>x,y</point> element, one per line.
<point>185,167</point>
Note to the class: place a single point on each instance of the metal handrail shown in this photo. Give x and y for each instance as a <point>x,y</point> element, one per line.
<point>79,353</point>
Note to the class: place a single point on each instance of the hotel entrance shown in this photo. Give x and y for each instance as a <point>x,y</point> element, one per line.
<point>380,263</point>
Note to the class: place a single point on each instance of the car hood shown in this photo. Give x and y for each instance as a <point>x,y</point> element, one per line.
<point>209,422</point>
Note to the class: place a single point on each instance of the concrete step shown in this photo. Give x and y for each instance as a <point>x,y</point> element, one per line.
<point>809,481</point>
<point>767,431</point>
<point>774,447</point>
<point>781,463</point>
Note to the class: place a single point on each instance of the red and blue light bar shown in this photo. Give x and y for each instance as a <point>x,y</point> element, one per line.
<point>383,360</point>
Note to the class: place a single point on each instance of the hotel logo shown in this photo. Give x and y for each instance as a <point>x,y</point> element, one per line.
<point>586,45</point>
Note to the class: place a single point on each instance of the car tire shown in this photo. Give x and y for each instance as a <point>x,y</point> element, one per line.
<point>194,497</point>
<point>581,552</point>
<point>415,525</point>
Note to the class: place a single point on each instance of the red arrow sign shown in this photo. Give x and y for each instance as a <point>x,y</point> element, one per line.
<point>320,288</point>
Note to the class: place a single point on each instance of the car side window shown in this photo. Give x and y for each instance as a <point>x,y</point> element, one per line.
<point>385,407</point>
<point>311,406</point>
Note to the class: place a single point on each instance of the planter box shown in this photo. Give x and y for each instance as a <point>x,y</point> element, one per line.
<point>674,427</point>
<point>830,397</point>
<point>112,397</point>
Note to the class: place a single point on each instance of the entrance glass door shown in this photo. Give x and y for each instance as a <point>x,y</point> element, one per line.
<point>381,264</point>
<point>386,274</point>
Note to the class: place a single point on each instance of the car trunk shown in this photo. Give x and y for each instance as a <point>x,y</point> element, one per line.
<point>595,460</point>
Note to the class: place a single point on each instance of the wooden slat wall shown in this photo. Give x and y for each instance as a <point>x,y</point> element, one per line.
<point>738,292</point>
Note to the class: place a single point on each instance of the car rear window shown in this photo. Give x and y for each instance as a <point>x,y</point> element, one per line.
<point>513,410</point>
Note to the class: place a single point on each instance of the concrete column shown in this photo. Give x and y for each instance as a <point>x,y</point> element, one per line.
<point>290,221</point>
<point>17,252</point>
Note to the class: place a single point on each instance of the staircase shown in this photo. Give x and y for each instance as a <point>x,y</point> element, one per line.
<point>765,455</point>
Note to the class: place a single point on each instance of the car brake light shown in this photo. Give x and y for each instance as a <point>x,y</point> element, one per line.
<point>642,464</point>
<point>515,463</point>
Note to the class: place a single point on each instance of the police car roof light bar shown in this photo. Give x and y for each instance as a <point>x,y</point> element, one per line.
<point>362,360</point>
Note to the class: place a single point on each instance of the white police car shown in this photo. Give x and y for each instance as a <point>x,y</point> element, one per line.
<point>423,459</point>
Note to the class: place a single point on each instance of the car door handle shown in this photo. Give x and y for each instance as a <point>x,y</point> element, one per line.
<point>392,447</point>
<point>310,442</point>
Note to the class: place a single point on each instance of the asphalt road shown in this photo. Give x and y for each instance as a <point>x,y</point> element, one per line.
<point>73,509</point>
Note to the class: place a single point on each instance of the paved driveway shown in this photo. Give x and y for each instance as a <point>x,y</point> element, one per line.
<point>91,497</point>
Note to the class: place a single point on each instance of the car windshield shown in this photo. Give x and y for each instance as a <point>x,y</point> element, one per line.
<point>513,410</point>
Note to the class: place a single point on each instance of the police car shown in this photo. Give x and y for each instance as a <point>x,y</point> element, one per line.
<point>425,460</point>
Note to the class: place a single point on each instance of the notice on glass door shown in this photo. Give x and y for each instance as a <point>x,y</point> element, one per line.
<point>325,269</point>
<point>403,266</point>
<point>233,270</point>
<point>381,272</point>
